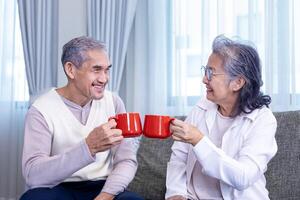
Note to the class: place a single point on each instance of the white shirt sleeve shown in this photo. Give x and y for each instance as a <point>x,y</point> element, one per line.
<point>245,168</point>
<point>176,180</point>
<point>176,170</point>
<point>39,168</point>
<point>125,160</point>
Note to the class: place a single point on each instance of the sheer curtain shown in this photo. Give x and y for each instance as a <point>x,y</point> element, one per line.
<point>147,59</point>
<point>185,34</point>
<point>39,26</point>
<point>270,25</point>
<point>281,51</point>
<point>111,22</point>
<point>13,101</point>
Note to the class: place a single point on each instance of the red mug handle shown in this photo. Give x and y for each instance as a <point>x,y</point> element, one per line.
<point>172,119</point>
<point>114,117</point>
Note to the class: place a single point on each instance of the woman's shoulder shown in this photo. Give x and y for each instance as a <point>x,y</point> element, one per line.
<point>263,113</point>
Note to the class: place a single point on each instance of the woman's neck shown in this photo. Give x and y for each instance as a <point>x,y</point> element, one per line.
<point>227,110</point>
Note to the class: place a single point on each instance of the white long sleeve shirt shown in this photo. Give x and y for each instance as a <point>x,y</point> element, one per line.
<point>239,164</point>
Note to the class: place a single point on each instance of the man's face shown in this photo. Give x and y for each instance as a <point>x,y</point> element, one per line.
<point>91,78</point>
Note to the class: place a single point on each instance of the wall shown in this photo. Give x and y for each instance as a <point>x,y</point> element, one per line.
<point>72,23</point>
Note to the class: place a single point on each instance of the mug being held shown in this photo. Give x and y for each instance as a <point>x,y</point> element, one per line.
<point>129,123</point>
<point>157,126</point>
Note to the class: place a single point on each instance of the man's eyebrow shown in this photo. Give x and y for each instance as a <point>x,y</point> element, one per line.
<point>101,67</point>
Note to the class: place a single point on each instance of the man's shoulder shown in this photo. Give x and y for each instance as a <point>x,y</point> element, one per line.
<point>45,97</point>
<point>118,103</point>
<point>116,97</point>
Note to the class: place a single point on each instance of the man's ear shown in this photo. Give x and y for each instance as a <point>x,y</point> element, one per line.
<point>238,83</point>
<point>70,70</point>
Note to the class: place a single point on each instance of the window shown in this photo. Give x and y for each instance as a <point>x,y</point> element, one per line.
<point>13,101</point>
<point>270,25</point>
<point>13,78</point>
<point>296,47</point>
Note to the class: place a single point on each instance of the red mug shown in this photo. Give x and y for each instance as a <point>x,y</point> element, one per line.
<point>129,123</point>
<point>157,126</point>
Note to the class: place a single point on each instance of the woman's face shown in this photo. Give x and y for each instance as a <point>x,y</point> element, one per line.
<point>219,89</point>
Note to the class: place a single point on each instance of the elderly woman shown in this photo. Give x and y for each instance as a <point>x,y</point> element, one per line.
<point>223,147</point>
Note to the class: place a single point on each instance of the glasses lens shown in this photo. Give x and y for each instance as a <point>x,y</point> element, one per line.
<point>203,70</point>
<point>208,73</point>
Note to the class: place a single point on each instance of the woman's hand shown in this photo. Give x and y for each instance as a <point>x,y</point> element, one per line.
<point>184,132</point>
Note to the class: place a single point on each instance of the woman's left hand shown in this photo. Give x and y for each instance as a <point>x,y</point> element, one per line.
<point>185,132</point>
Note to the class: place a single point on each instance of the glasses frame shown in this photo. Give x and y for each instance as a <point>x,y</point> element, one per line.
<point>208,72</point>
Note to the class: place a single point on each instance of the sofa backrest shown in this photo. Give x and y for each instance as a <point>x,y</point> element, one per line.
<point>283,174</point>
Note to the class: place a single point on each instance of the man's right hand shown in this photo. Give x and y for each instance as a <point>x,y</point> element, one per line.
<point>104,137</point>
<point>176,197</point>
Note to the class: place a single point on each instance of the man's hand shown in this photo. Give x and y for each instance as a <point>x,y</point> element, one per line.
<point>184,132</point>
<point>104,137</point>
<point>104,196</point>
<point>176,197</point>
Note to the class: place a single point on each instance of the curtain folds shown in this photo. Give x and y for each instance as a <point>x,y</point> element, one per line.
<point>39,26</point>
<point>110,22</point>
<point>181,43</point>
<point>13,102</point>
<point>148,59</point>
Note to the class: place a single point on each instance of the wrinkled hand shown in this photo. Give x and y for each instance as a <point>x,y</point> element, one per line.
<point>104,196</point>
<point>176,197</point>
<point>104,137</point>
<point>185,132</point>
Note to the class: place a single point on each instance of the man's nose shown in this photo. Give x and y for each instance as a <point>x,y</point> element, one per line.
<point>103,77</point>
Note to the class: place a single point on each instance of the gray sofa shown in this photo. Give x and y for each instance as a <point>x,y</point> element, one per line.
<point>283,174</point>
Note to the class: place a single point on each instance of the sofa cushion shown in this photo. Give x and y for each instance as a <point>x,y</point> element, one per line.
<point>153,156</point>
<point>283,174</point>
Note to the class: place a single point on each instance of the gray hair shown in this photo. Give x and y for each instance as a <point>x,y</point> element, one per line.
<point>242,60</point>
<point>75,50</point>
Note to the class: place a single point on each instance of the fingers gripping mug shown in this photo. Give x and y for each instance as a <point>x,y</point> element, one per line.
<point>129,123</point>
<point>157,126</point>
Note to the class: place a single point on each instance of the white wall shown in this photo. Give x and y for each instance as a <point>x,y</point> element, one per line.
<point>72,23</point>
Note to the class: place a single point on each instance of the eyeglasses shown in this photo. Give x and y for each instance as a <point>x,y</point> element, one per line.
<point>208,72</point>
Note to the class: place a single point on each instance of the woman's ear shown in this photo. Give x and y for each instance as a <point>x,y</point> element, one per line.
<point>238,83</point>
<point>70,70</point>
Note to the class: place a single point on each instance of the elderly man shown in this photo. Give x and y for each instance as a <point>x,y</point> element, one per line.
<point>71,150</point>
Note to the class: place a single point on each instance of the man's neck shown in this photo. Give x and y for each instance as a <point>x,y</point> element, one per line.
<point>70,94</point>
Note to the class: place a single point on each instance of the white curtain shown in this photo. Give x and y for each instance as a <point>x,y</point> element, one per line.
<point>13,101</point>
<point>164,59</point>
<point>147,59</point>
<point>281,51</point>
<point>110,21</point>
<point>39,26</point>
